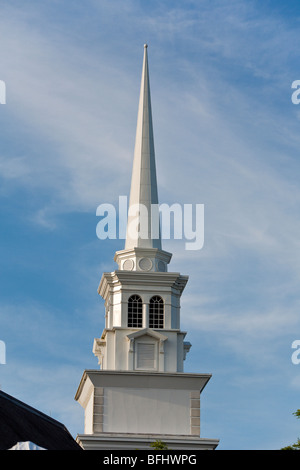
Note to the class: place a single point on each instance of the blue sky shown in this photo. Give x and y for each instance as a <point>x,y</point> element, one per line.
<point>226,136</point>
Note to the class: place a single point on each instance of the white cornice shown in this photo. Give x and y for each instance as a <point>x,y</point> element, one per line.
<point>122,278</point>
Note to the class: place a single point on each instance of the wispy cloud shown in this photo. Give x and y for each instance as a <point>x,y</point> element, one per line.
<point>69,101</point>
<point>226,136</point>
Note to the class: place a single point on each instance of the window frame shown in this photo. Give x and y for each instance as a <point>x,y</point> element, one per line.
<point>135,311</point>
<point>156,312</point>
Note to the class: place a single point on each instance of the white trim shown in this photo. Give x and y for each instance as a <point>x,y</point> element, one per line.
<point>149,332</point>
<point>123,441</point>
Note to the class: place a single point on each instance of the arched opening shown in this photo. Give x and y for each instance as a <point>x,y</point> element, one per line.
<point>156,312</point>
<point>135,312</point>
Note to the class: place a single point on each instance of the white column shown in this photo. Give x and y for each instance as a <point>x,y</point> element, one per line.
<point>145,315</point>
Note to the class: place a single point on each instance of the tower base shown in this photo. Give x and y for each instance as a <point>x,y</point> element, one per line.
<point>131,410</point>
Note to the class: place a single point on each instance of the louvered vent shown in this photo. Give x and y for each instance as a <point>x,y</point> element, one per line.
<point>145,356</point>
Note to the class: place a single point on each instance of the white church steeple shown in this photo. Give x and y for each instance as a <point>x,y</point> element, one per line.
<point>140,392</point>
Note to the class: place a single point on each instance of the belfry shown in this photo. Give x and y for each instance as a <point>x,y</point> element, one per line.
<point>140,393</point>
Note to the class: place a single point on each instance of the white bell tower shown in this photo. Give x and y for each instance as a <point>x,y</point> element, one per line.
<point>141,394</point>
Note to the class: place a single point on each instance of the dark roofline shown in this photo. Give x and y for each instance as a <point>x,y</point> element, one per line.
<point>29,408</point>
<point>20,422</point>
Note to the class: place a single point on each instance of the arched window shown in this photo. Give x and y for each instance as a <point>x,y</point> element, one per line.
<point>135,312</point>
<point>156,312</point>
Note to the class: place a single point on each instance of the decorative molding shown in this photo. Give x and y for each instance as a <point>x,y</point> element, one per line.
<point>128,265</point>
<point>145,264</point>
<point>99,348</point>
<point>158,258</point>
<point>117,441</point>
<point>148,332</point>
<point>195,412</point>
<point>132,379</point>
<point>98,409</point>
<point>186,347</point>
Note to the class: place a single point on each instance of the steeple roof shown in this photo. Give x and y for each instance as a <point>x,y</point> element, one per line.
<point>143,193</point>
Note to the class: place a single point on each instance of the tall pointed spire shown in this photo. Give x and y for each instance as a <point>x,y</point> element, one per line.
<point>143,220</point>
<point>143,250</point>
